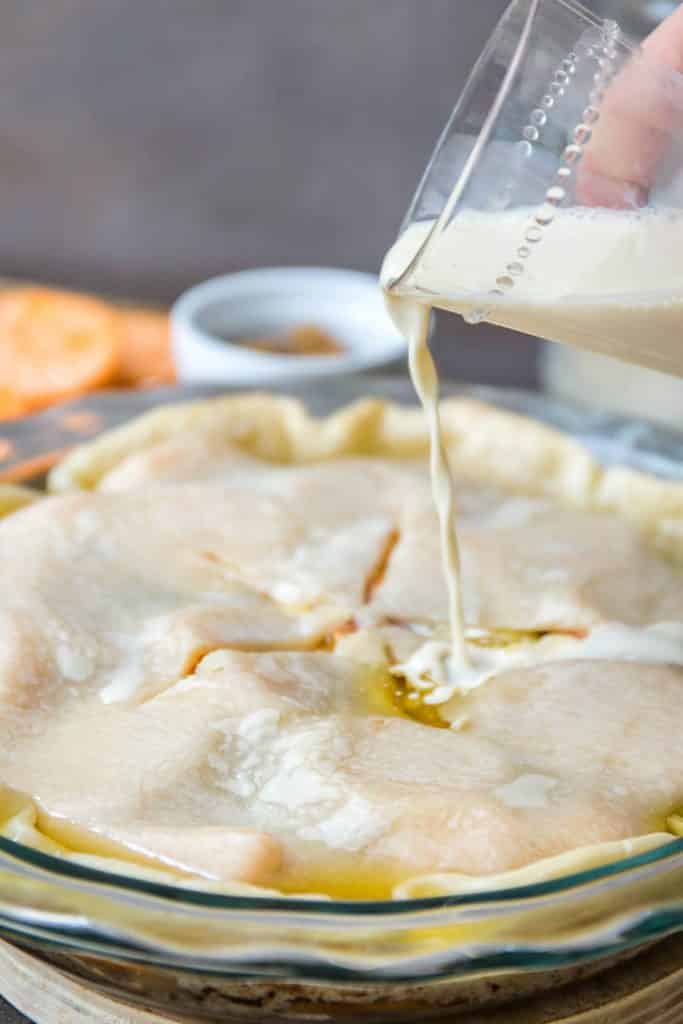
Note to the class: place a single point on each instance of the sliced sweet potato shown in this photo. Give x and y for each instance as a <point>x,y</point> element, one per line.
<point>55,345</point>
<point>146,358</point>
<point>11,405</point>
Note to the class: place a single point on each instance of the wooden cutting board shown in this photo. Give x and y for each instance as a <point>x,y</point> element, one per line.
<point>47,996</point>
<point>646,990</point>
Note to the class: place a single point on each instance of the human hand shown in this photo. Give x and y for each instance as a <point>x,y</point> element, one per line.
<point>641,112</point>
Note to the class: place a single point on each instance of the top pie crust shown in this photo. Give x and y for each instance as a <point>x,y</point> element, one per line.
<point>206,612</point>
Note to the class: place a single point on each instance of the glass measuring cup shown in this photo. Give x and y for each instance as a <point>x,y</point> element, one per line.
<point>553,203</point>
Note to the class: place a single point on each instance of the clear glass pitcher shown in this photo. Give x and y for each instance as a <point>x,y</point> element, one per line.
<point>553,203</point>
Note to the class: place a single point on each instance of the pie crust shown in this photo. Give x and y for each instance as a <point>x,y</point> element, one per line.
<point>484,443</point>
<point>212,610</point>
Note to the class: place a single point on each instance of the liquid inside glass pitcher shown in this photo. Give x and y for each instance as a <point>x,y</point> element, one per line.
<point>553,203</point>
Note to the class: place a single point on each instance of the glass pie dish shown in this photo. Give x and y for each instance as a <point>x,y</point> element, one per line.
<point>604,944</point>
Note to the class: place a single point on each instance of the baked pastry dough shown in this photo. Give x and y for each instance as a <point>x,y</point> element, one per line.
<point>212,645</point>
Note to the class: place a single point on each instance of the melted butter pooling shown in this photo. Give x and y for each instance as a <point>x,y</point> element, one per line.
<point>431,671</point>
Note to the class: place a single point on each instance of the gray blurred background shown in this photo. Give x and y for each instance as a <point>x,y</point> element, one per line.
<point>147,145</point>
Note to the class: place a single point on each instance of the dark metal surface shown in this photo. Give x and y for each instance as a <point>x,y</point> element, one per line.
<point>8,1015</point>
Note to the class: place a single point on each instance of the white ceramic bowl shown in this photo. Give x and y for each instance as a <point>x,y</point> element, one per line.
<point>209,320</point>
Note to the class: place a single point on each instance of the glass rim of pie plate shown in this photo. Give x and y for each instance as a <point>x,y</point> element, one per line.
<point>601,912</point>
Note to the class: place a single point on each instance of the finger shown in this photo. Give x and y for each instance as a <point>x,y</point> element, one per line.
<point>641,114</point>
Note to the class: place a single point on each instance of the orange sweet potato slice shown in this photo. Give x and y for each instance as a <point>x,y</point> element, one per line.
<point>55,345</point>
<point>146,358</point>
<point>11,405</point>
